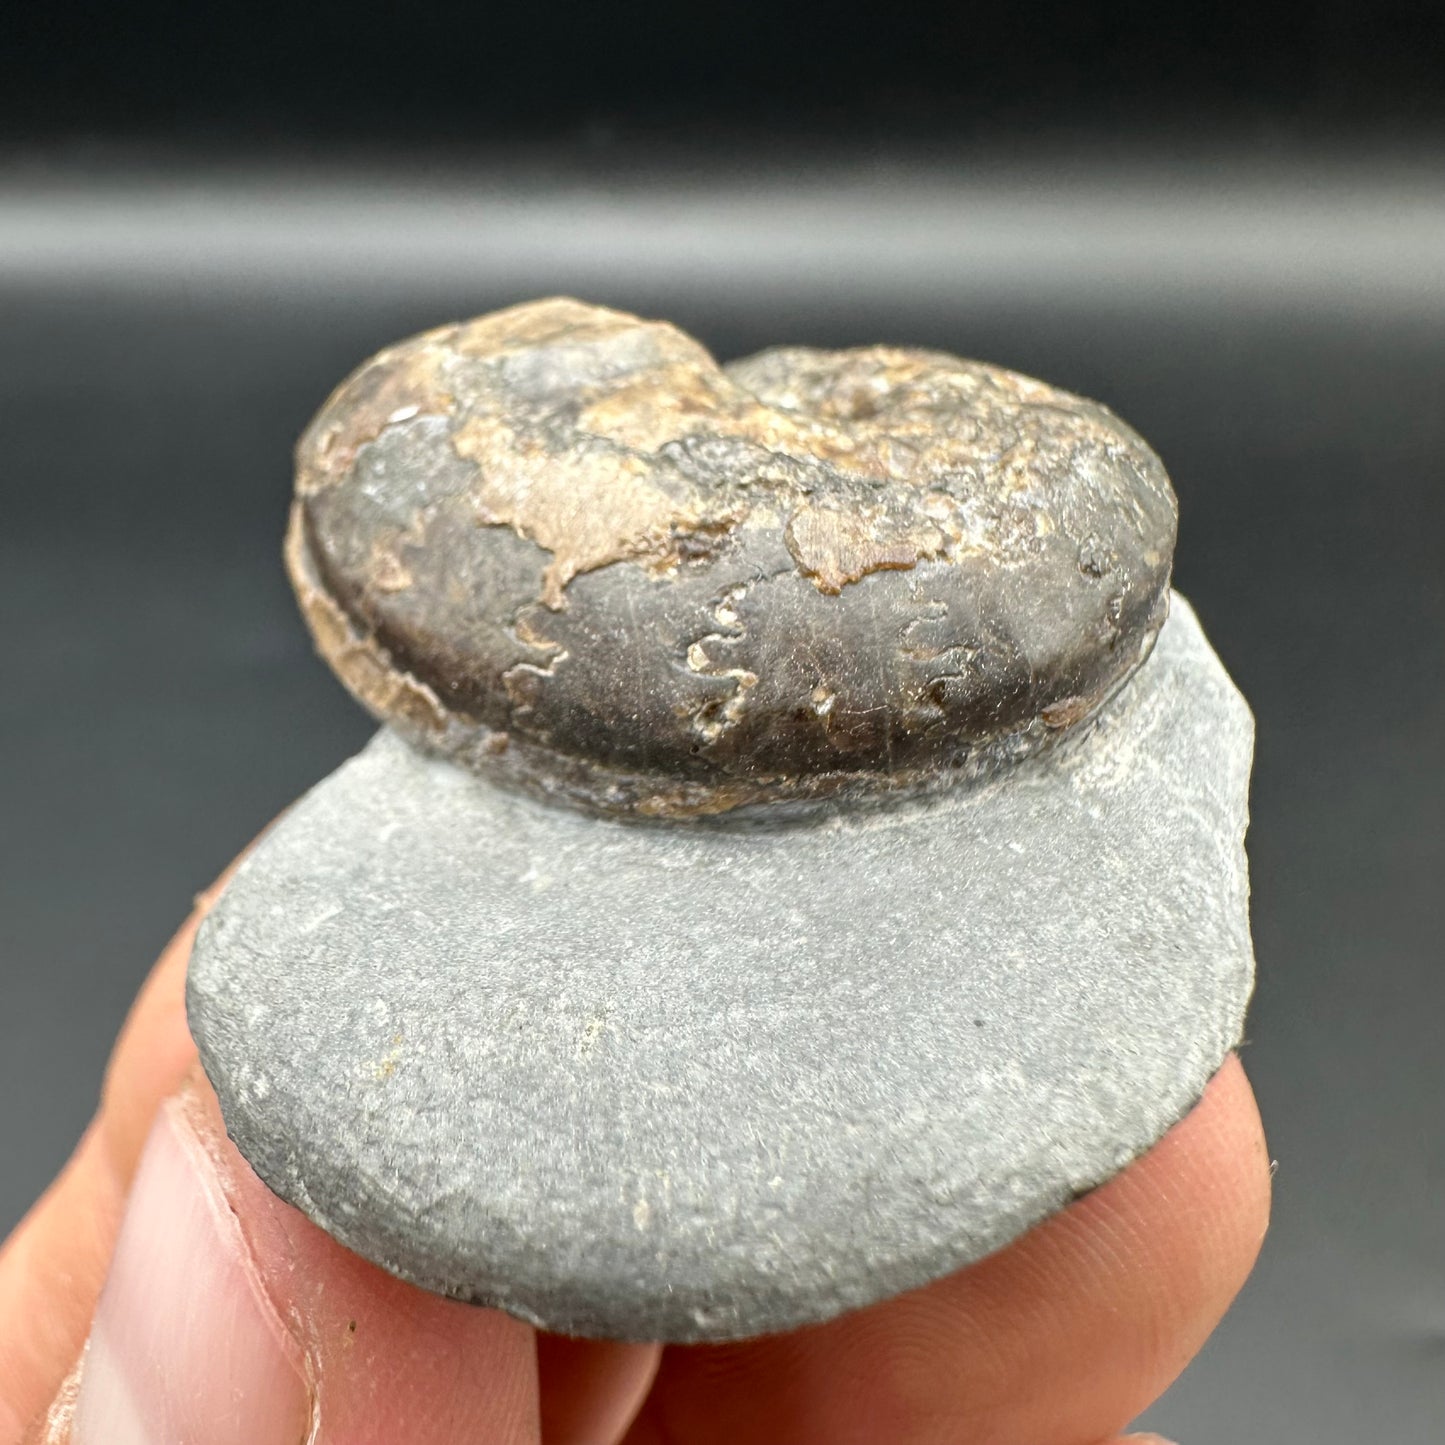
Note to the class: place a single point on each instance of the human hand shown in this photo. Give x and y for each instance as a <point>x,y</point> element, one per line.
<point>217,1315</point>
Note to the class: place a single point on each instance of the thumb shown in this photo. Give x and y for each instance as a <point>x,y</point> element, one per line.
<point>53,1266</point>
<point>227,1318</point>
<point>160,1292</point>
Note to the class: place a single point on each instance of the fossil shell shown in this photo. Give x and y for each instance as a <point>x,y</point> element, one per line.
<point>563,544</point>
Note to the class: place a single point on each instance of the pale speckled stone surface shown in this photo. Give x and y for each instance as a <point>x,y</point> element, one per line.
<point>701,1081</point>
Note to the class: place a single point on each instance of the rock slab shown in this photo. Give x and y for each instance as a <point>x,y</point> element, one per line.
<point>701,1081</point>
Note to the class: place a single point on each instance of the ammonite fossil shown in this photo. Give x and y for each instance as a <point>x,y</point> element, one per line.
<point>799,854</point>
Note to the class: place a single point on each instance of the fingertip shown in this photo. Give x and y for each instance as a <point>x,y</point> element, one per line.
<point>1062,1338</point>
<point>1193,1212</point>
<point>591,1390</point>
<point>387,1361</point>
<point>51,1271</point>
<point>53,1265</point>
<point>1122,1288</point>
<point>184,1346</point>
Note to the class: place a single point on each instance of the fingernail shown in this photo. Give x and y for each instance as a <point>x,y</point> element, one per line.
<point>185,1350</point>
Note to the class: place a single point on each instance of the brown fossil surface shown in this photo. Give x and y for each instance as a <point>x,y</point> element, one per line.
<point>564,544</point>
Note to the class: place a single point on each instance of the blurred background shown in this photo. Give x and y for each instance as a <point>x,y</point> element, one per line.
<point>1226,221</point>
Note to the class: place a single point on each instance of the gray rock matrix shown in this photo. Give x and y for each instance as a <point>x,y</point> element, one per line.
<point>702,1081</point>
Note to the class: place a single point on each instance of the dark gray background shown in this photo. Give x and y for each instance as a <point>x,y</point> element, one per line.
<point>1278,334</point>
<point>1233,233</point>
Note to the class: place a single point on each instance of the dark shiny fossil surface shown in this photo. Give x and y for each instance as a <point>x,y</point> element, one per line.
<point>564,544</point>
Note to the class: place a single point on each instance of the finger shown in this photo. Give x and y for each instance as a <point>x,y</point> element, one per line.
<point>205,1317</point>
<point>591,1389</point>
<point>228,1317</point>
<point>53,1266</point>
<point>1060,1339</point>
<point>52,1272</point>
